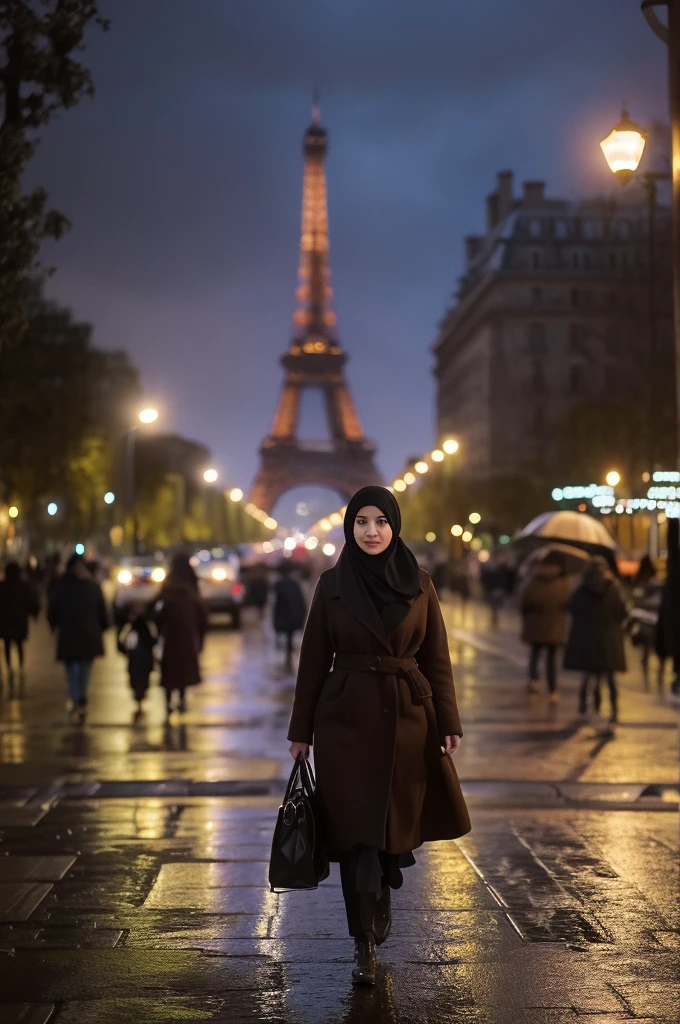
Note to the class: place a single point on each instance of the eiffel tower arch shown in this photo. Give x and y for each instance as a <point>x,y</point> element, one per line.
<point>314,360</point>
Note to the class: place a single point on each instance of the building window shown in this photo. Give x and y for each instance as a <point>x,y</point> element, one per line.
<point>537,296</point>
<point>535,260</point>
<point>575,261</point>
<point>613,262</point>
<point>561,228</point>
<point>536,339</point>
<point>535,228</point>
<point>575,379</point>
<point>591,228</point>
<point>574,297</point>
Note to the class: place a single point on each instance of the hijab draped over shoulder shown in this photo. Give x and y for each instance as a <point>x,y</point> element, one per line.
<point>384,584</point>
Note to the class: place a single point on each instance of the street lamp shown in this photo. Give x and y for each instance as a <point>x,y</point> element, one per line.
<point>210,476</point>
<point>613,478</point>
<point>236,494</point>
<point>623,149</point>
<point>144,416</point>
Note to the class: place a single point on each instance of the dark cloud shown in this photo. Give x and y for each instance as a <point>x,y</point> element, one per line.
<point>183,180</point>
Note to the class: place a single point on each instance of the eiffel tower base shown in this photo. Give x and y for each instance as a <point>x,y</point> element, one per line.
<point>343,466</point>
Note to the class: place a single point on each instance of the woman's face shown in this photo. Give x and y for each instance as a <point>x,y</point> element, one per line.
<point>372,532</point>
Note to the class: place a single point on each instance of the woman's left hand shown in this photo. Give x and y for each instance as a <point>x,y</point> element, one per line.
<point>452,743</point>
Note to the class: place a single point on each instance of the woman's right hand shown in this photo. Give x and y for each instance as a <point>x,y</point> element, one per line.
<point>299,748</point>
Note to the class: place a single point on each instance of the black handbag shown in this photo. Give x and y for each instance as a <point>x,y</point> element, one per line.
<point>298,859</point>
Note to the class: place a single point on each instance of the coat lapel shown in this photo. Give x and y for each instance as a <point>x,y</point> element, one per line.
<point>358,603</point>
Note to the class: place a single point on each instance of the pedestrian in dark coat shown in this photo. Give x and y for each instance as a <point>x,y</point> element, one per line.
<point>290,609</point>
<point>77,612</point>
<point>18,602</point>
<point>257,587</point>
<point>137,642</point>
<point>544,603</point>
<point>375,697</point>
<point>182,624</point>
<point>595,645</point>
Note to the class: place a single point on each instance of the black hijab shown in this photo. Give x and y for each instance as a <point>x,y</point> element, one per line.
<point>390,581</point>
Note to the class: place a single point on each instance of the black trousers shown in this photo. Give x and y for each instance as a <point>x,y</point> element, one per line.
<point>550,663</point>
<point>367,875</point>
<point>8,651</point>
<point>597,697</point>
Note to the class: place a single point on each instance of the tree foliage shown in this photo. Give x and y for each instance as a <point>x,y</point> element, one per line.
<point>39,76</point>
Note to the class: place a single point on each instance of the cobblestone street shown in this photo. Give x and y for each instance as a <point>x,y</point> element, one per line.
<point>133,882</point>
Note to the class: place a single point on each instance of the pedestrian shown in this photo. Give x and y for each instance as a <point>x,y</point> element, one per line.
<point>544,604</point>
<point>77,612</point>
<point>493,579</point>
<point>257,587</point>
<point>375,697</point>
<point>182,623</point>
<point>290,609</point>
<point>595,644</point>
<point>19,601</point>
<point>137,642</point>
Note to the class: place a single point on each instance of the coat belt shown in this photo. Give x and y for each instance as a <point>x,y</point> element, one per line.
<point>404,668</point>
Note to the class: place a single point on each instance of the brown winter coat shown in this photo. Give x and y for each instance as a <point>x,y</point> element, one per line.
<point>544,602</point>
<point>182,624</point>
<point>382,780</point>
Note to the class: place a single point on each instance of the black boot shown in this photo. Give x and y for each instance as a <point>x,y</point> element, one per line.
<point>363,972</point>
<point>382,918</point>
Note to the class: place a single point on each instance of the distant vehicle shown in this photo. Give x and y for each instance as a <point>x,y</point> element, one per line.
<point>219,584</point>
<point>138,579</point>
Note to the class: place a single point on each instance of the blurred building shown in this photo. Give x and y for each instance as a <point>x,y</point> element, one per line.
<point>548,342</point>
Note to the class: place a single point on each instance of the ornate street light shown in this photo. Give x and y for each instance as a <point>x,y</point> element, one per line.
<point>624,146</point>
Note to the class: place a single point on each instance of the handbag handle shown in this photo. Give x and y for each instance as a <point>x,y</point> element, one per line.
<point>301,777</point>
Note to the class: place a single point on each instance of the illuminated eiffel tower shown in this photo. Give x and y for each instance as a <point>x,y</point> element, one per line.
<point>314,359</point>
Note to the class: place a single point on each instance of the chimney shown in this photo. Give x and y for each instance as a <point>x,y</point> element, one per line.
<point>504,189</point>
<point>492,207</point>
<point>473,245</point>
<point>534,194</point>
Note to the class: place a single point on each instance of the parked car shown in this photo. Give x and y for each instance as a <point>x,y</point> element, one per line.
<point>137,579</point>
<point>219,584</point>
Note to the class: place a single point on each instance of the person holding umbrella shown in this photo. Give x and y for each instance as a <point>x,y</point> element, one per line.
<point>544,604</point>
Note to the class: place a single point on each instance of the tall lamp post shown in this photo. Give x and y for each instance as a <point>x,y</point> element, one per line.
<point>623,149</point>
<point>145,417</point>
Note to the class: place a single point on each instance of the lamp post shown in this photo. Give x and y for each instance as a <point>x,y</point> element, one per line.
<point>144,416</point>
<point>623,149</point>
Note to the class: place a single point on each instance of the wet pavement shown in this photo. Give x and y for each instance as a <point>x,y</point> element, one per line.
<point>133,856</point>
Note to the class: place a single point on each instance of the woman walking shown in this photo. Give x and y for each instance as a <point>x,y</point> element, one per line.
<point>182,624</point>
<point>595,645</point>
<point>78,613</point>
<point>375,697</point>
<point>544,603</point>
<point>18,602</point>
<point>289,609</point>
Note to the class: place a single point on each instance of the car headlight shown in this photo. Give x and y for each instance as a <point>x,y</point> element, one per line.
<point>219,575</point>
<point>158,574</point>
<point>125,577</point>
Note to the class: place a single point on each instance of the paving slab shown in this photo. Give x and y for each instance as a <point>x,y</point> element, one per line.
<point>26,1013</point>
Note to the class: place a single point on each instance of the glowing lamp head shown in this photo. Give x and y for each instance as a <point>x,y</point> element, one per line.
<point>328,550</point>
<point>623,147</point>
<point>312,543</point>
<point>409,478</point>
<point>236,494</point>
<point>475,518</point>
<point>109,498</point>
<point>430,537</point>
<point>157,574</point>
<point>450,446</point>
<point>289,544</point>
<point>467,537</point>
<point>148,415</point>
<point>270,523</point>
<point>12,511</point>
<point>437,455</point>
<point>421,467</point>
<point>457,530</point>
<point>79,549</point>
<point>125,577</point>
<point>210,476</point>
<point>52,508</point>
<point>613,478</point>
<point>399,485</point>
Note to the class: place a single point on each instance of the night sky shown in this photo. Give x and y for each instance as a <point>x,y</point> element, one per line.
<point>183,181</point>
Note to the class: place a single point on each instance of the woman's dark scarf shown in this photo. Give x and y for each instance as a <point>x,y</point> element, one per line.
<point>387,583</point>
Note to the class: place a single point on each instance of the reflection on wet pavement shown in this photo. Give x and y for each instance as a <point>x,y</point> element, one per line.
<point>133,880</point>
